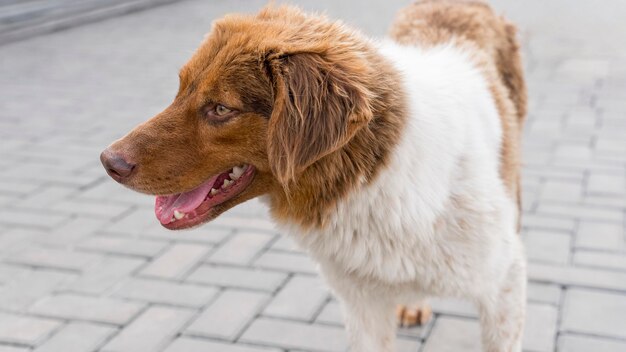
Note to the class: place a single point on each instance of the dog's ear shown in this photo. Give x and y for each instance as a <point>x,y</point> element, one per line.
<point>318,108</point>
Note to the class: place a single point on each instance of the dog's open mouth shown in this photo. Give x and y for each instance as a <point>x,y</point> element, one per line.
<point>194,207</point>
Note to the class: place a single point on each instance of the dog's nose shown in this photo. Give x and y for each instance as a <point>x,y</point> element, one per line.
<point>116,166</point>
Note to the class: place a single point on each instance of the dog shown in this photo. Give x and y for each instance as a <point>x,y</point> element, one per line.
<point>395,162</point>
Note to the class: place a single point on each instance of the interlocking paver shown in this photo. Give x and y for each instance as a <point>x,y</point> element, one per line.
<point>299,336</point>
<point>595,313</point>
<point>24,329</point>
<point>541,328</point>
<point>159,323</point>
<point>105,274</point>
<point>164,292</point>
<point>71,306</point>
<point>186,344</point>
<point>300,299</point>
<point>176,261</point>
<point>452,335</point>
<point>288,262</point>
<point>13,349</point>
<point>605,236</point>
<point>544,293</point>
<point>574,343</point>
<point>238,277</point>
<point>121,245</point>
<point>77,337</point>
<point>241,248</point>
<point>228,315</point>
<point>551,247</point>
<point>54,258</point>
<point>25,286</point>
<point>616,261</point>
<point>577,276</point>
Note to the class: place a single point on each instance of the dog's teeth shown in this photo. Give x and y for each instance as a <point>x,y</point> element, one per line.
<point>214,191</point>
<point>226,183</point>
<point>173,219</point>
<point>233,176</point>
<point>178,215</point>
<point>237,171</point>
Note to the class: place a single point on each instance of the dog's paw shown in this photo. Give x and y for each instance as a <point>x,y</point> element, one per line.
<point>418,314</point>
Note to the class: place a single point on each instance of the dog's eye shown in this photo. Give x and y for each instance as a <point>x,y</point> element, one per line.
<point>218,113</point>
<point>221,110</point>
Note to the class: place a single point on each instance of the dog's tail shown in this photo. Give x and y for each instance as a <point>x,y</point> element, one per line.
<point>511,70</point>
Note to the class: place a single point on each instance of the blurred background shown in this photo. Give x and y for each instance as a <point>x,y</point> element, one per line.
<point>85,266</point>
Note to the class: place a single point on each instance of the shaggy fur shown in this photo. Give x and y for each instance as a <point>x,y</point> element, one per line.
<point>394,163</point>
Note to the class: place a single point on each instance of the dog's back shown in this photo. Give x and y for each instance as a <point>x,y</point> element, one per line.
<point>493,44</point>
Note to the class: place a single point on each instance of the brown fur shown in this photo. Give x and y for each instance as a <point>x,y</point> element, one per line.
<point>317,112</point>
<point>492,42</point>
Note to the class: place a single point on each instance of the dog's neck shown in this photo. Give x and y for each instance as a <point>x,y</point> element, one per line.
<point>309,200</point>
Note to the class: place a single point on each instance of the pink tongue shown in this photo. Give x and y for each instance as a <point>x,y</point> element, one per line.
<point>183,202</point>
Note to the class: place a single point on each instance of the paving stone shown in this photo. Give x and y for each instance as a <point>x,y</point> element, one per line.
<point>454,334</point>
<point>595,313</point>
<point>105,274</point>
<point>600,260</point>
<point>160,324</point>
<point>121,245</point>
<point>24,329</point>
<point>577,276</point>
<point>176,261</point>
<point>13,349</point>
<point>71,306</point>
<point>250,278</point>
<point>17,240</point>
<point>407,345</point>
<point>544,222</point>
<point>54,258</point>
<point>253,224</point>
<point>187,344</point>
<point>451,306</point>
<point>581,212</point>
<point>77,337</point>
<point>540,328</point>
<point>299,299</point>
<point>228,315</point>
<point>331,314</point>
<point>295,335</point>
<point>25,286</point>
<point>287,262</point>
<point>164,292</point>
<point>544,293</point>
<point>596,235</point>
<point>284,243</point>
<point>241,248</point>
<point>26,218</point>
<point>602,184</point>
<point>72,231</point>
<point>553,190</point>
<point>549,247</point>
<point>574,343</point>
<point>44,197</point>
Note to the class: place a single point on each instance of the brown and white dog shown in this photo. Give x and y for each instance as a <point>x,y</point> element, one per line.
<point>396,162</point>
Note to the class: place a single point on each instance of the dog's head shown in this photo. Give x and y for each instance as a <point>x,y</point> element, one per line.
<point>263,99</point>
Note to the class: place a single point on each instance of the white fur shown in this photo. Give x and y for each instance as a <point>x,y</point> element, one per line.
<point>437,221</point>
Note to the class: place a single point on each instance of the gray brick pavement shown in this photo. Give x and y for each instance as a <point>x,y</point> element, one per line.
<point>85,267</point>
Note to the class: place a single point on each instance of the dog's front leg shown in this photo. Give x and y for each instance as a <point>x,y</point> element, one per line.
<point>370,322</point>
<point>369,313</point>
<point>502,313</point>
